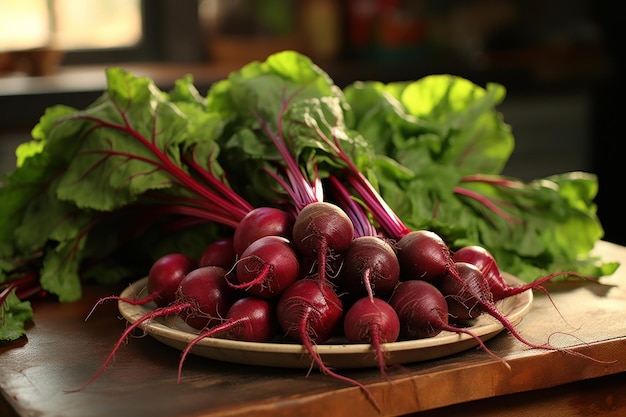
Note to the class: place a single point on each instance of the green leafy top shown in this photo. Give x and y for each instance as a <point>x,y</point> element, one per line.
<point>434,147</point>
<point>141,157</point>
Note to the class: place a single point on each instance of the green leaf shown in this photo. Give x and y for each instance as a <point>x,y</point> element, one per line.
<point>30,209</point>
<point>13,316</point>
<point>457,115</point>
<point>59,274</point>
<point>292,97</point>
<point>442,128</point>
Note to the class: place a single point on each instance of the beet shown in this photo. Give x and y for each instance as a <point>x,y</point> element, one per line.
<point>322,230</point>
<point>424,255</point>
<point>249,319</point>
<point>372,320</point>
<point>165,276</point>
<point>462,303</point>
<point>310,312</point>
<point>207,295</point>
<point>259,222</point>
<point>267,267</point>
<point>220,253</point>
<point>370,267</point>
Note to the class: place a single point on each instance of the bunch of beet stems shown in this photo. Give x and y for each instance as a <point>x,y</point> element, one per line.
<point>394,228</point>
<point>320,231</point>
<point>298,312</point>
<point>25,285</point>
<point>306,196</point>
<point>210,200</point>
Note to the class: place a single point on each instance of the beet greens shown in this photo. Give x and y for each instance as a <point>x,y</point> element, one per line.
<point>97,187</point>
<point>138,161</point>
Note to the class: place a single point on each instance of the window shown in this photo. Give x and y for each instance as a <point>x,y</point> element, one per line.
<point>69,24</point>
<point>101,31</point>
<point>23,24</point>
<point>92,24</point>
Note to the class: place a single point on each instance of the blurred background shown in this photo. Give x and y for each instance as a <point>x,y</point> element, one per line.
<point>560,61</point>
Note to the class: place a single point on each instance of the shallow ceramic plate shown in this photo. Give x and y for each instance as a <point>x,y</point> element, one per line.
<point>173,332</point>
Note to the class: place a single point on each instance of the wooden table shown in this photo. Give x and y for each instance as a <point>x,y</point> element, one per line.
<point>62,351</point>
